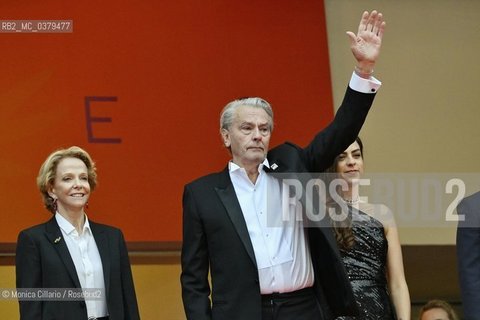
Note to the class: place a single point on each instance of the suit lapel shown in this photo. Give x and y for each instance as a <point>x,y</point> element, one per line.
<point>102,244</point>
<point>54,235</point>
<point>276,165</point>
<point>227,195</point>
<point>287,163</point>
<point>284,158</point>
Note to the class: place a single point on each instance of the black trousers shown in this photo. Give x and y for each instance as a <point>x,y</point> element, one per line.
<point>297,305</point>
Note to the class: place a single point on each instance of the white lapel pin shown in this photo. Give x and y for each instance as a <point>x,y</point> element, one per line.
<point>274,166</point>
<point>57,240</point>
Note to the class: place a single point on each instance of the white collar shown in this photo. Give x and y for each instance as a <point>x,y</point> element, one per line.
<point>67,227</point>
<point>232,167</point>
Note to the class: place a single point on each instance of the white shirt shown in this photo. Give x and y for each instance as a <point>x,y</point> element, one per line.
<point>281,249</point>
<point>86,258</point>
<point>364,85</point>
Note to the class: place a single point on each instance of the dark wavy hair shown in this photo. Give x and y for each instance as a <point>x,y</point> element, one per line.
<point>343,228</point>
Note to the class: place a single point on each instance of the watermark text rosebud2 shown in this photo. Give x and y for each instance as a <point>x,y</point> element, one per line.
<point>404,199</point>
<point>51,294</point>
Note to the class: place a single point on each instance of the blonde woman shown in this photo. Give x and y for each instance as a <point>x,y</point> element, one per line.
<point>72,253</point>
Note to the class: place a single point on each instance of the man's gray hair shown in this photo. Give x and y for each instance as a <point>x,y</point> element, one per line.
<point>228,112</point>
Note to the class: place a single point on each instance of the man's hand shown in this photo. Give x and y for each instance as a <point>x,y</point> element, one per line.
<point>366,43</point>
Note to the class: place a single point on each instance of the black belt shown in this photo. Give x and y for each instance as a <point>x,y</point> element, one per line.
<point>97,318</point>
<point>287,295</point>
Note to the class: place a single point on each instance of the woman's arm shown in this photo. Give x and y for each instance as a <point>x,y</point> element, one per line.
<point>128,287</point>
<point>396,275</point>
<point>28,275</point>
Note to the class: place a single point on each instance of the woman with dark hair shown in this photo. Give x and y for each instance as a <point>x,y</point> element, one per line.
<point>368,242</point>
<point>82,264</point>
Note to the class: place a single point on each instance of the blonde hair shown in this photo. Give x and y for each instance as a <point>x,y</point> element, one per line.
<point>48,170</point>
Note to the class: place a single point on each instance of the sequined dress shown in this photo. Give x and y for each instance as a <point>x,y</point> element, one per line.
<point>365,263</point>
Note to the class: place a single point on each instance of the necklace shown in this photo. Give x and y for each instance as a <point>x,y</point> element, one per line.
<point>352,201</point>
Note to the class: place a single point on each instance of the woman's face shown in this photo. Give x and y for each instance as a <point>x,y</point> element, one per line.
<point>350,163</point>
<point>71,187</point>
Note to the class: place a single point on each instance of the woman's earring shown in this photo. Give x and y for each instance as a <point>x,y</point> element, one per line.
<point>55,204</point>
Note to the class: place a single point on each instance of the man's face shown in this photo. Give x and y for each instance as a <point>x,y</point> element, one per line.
<point>248,136</point>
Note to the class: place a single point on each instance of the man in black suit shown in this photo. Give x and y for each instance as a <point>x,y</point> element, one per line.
<point>259,271</point>
<point>468,255</point>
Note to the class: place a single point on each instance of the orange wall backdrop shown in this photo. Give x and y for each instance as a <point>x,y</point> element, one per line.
<point>160,71</point>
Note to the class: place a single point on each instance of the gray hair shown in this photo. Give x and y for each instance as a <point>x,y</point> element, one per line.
<point>228,112</point>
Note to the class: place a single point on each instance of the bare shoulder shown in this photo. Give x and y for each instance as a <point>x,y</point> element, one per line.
<point>380,212</point>
<point>374,209</point>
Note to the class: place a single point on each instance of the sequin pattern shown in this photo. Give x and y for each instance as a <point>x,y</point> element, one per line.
<point>365,264</point>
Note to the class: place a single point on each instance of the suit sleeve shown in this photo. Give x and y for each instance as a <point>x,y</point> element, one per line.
<point>340,133</point>
<point>468,257</point>
<point>128,287</point>
<point>195,263</point>
<point>28,270</point>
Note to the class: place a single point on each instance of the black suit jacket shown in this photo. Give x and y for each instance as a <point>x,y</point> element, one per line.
<point>215,235</point>
<point>468,255</point>
<point>44,262</point>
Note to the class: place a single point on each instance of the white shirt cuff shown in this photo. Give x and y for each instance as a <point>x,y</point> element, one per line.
<point>364,85</point>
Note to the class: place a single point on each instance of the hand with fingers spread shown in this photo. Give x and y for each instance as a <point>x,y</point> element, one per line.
<point>366,43</point>
<point>219,213</point>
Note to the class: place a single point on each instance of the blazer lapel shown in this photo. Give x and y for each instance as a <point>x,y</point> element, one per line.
<point>102,244</point>
<point>227,195</point>
<point>284,158</point>
<point>287,164</point>
<point>54,234</point>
